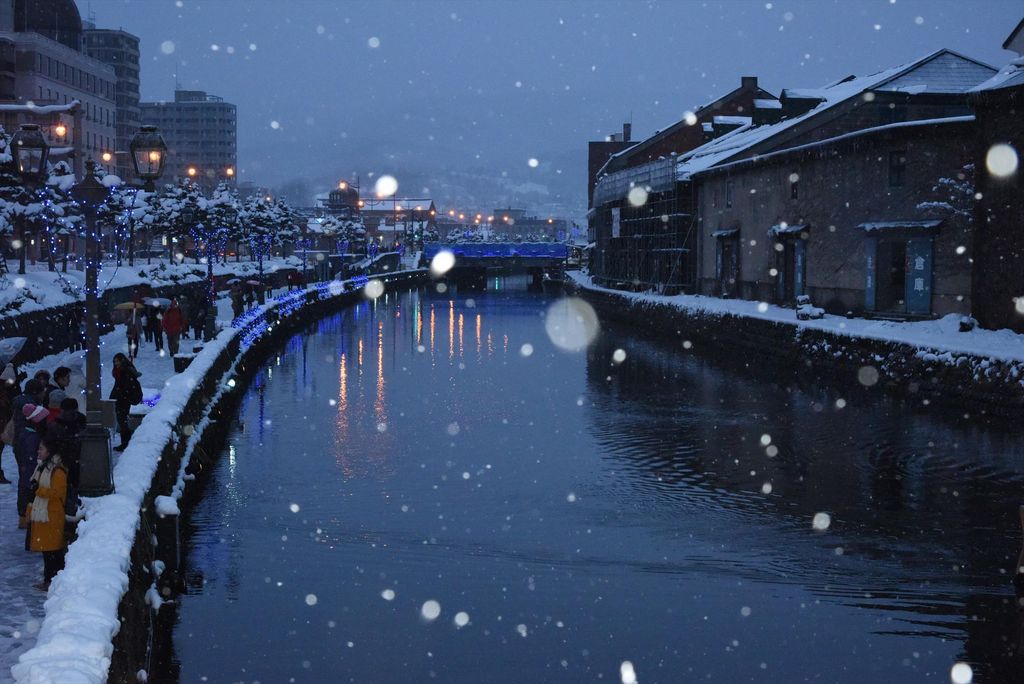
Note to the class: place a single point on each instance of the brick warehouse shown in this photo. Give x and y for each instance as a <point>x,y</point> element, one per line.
<point>999,213</point>
<point>777,200</point>
<point>652,245</point>
<point>839,220</point>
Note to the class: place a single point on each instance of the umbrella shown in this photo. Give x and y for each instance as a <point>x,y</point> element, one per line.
<point>10,347</point>
<point>233,281</point>
<point>157,301</point>
<point>253,282</point>
<point>128,306</point>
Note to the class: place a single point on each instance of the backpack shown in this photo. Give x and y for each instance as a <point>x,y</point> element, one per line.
<point>134,391</point>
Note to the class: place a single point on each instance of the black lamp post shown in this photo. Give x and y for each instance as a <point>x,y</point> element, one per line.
<point>96,476</point>
<point>30,154</point>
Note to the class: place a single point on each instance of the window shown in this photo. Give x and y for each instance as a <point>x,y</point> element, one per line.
<point>897,168</point>
<point>728,194</point>
<point>794,188</point>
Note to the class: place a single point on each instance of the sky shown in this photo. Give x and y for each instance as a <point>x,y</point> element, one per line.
<point>455,98</point>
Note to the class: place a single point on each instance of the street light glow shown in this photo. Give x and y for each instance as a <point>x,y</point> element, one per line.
<point>231,171</point>
<point>192,171</point>
<point>106,156</point>
<point>342,185</point>
<point>61,130</point>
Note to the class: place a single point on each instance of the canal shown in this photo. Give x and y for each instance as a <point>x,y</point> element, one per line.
<point>426,487</point>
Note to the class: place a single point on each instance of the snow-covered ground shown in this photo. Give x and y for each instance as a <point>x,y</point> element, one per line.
<point>940,336</point>
<point>40,288</point>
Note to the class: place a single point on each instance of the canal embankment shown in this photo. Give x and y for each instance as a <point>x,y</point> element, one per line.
<point>104,607</point>
<point>926,361</point>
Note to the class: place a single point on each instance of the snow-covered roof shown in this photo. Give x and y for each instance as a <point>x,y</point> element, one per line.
<point>877,226</point>
<point>1010,76</point>
<point>41,109</point>
<point>729,232</point>
<point>767,104</point>
<point>735,142</point>
<point>948,72</point>
<point>732,120</point>
<point>859,133</point>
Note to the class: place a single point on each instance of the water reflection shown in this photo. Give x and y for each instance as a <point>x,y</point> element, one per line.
<point>657,509</point>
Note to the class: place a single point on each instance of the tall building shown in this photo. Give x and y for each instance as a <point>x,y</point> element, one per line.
<point>43,69</point>
<point>200,132</point>
<point>120,50</point>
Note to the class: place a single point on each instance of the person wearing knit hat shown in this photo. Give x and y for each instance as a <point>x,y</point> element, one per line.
<point>26,448</point>
<point>53,404</point>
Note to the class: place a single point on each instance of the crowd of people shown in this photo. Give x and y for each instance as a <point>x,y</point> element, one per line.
<point>152,321</point>
<point>43,425</point>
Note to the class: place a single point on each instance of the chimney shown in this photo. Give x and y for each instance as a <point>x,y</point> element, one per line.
<point>627,131</point>
<point>748,82</point>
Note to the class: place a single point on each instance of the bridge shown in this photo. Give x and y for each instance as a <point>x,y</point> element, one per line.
<point>473,259</point>
<point>501,254</point>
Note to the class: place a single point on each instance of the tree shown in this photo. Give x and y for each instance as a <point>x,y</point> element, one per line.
<point>167,213</point>
<point>223,213</point>
<point>260,221</point>
<point>953,196</point>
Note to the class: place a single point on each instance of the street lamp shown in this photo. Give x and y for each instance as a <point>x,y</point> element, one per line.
<point>96,473</point>
<point>30,154</point>
<point>149,153</point>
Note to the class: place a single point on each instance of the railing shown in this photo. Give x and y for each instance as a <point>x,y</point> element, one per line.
<point>499,250</point>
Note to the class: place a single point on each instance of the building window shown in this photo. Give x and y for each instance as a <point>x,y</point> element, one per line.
<point>897,168</point>
<point>728,194</point>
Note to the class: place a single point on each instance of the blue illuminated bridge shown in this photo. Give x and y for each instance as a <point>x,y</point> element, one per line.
<point>502,254</point>
<point>474,259</point>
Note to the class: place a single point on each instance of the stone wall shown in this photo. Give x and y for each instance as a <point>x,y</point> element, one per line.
<point>967,382</point>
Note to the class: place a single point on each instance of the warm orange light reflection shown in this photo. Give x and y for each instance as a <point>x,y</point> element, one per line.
<point>451,329</point>
<point>433,324</point>
<point>461,321</point>
<point>478,342</point>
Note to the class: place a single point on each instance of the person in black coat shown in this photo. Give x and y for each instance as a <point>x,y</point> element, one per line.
<point>124,393</point>
<point>67,428</point>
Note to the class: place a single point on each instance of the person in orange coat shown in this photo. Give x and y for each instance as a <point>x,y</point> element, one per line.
<point>173,323</point>
<point>46,512</point>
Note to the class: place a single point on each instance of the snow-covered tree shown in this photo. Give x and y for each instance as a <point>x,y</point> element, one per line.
<point>953,196</point>
<point>224,213</point>
<point>168,209</point>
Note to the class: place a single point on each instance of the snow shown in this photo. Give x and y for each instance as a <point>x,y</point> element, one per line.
<point>735,142</point>
<point>41,109</point>
<point>74,642</point>
<point>941,338</point>
<point>767,104</point>
<point>786,229</point>
<point>876,226</point>
<point>39,288</point>
<point>1011,75</point>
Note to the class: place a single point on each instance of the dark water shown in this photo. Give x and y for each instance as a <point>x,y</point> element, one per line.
<point>583,513</point>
